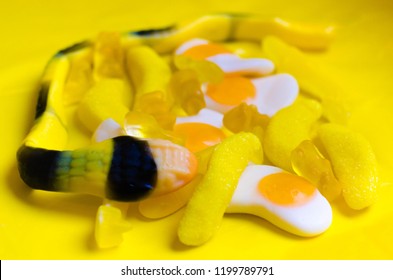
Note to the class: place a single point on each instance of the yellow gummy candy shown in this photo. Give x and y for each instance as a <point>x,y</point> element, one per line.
<point>148,71</point>
<point>289,59</point>
<point>206,71</point>
<point>110,226</point>
<point>288,128</point>
<point>207,206</point>
<point>142,125</point>
<point>79,78</point>
<point>108,56</point>
<point>108,98</point>
<point>354,164</point>
<point>186,90</point>
<point>308,162</point>
<point>244,117</point>
<point>150,75</point>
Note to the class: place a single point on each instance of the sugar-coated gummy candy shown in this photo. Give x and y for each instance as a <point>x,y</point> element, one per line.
<point>288,128</point>
<point>354,164</point>
<point>203,214</point>
<point>309,163</point>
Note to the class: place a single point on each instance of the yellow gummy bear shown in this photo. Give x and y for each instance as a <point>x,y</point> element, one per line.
<point>108,56</point>
<point>79,78</point>
<point>142,125</point>
<point>244,117</point>
<point>354,164</point>
<point>309,163</point>
<point>288,128</point>
<point>207,205</point>
<point>186,90</point>
<point>110,226</point>
<point>207,72</point>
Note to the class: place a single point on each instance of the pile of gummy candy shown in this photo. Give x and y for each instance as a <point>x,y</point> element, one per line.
<point>263,137</point>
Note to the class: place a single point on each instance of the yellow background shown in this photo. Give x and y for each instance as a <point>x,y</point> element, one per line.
<point>60,226</point>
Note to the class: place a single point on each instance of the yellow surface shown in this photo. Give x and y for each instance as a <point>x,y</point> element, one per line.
<point>34,225</point>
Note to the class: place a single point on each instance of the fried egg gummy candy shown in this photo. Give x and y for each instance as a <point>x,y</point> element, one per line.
<point>221,115</point>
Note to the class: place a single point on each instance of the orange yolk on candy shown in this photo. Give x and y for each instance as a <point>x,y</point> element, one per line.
<point>232,90</point>
<point>205,50</point>
<point>199,136</point>
<point>286,189</point>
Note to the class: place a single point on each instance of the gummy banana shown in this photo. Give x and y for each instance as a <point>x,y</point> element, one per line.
<point>288,128</point>
<point>203,214</point>
<point>354,164</point>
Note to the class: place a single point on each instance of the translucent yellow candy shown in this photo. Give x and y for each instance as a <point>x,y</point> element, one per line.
<point>155,104</point>
<point>110,226</point>
<point>354,164</point>
<point>207,72</point>
<point>207,206</point>
<point>309,163</point>
<point>186,90</point>
<point>108,98</point>
<point>288,128</point>
<point>142,125</point>
<point>79,78</point>
<point>108,56</point>
<point>244,117</point>
<point>156,207</point>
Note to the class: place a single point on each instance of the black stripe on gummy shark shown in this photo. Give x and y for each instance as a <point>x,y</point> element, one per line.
<point>133,171</point>
<point>152,31</point>
<point>42,100</point>
<point>74,48</point>
<point>37,167</point>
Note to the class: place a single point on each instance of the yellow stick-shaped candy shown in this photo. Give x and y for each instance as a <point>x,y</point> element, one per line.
<point>207,206</point>
<point>354,164</point>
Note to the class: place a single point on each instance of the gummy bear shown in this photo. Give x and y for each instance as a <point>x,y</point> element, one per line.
<point>206,71</point>
<point>108,56</point>
<point>309,163</point>
<point>244,117</point>
<point>288,128</point>
<point>186,90</point>
<point>142,125</point>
